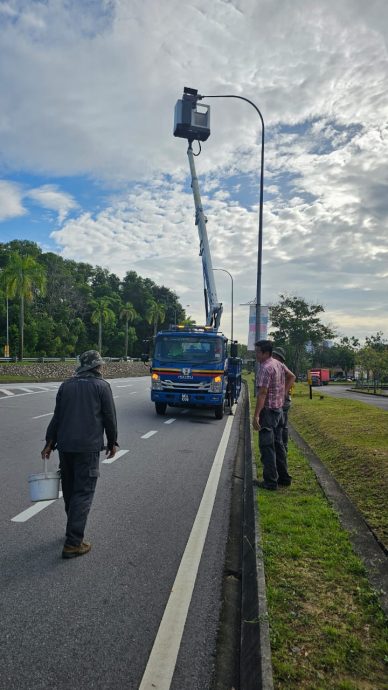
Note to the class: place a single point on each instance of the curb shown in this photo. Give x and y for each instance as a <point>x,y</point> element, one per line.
<point>365,544</point>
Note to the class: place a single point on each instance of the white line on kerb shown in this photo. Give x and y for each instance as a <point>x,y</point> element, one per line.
<point>34,509</point>
<point>170,421</point>
<point>149,434</point>
<point>43,415</point>
<point>161,663</point>
<point>108,461</point>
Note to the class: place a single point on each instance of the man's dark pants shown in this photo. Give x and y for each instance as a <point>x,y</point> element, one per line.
<point>79,473</point>
<point>273,453</point>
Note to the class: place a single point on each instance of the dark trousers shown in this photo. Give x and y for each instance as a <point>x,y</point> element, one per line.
<point>79,472</point>
<point>285,429</point>
<point>272,451</point>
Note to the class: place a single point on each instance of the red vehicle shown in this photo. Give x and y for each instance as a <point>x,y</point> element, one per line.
<point>319,377</point>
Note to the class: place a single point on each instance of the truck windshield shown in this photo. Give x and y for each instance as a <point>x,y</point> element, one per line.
<point>197,349</point>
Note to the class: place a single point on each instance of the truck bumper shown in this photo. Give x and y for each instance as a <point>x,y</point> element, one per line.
<point>188,399</point>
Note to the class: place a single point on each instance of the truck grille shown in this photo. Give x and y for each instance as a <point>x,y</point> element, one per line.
<point>184,386</point>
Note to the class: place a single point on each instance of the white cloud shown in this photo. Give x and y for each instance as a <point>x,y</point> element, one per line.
<point>50,197</point>
<point>10,200</point>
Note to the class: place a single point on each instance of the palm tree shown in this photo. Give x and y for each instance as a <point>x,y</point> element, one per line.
<point>101,314</point>
<point>155,312</point>
<point>21,277</point>
<point>129,313</point>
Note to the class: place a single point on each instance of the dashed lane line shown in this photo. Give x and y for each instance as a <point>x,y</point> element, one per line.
<point>170,421</point>
<point>119,454</point>
<point>149,434</point>
<point>34,509</point>
<point>127,385</point>
<point>47,414</point>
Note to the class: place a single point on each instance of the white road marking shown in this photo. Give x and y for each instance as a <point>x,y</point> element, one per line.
<point>161,663</point>
<point>43,388</point>
<point>108,461</point>
<point>34,509</point>
<point>170,421</point>
<point>43,415</point>
<point>132,393</point>
<point>149,434</point>
<point>126,385</point>
<point>184,411</point>
<point>26,390</point>
<point>6,392</point>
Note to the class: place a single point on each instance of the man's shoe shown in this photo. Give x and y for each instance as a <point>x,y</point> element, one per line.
<point>74,551</point>
<point>263,485</point>
<point>285,483</point>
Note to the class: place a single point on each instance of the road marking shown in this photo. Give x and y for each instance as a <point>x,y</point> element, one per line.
<point>170,421</point>
<point>34,509</point>
<point>6,392</point>
<point>108,461</point>
<point>184,411</point>
<point>116,396</point>
<point>43,415</point>
<point>26,390</point>
<point>132,393</point>
<point>149,434</point>
<point>126,385</point>
<point>161,663</point>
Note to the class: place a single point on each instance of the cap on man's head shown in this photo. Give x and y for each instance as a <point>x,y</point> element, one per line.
<point>89,360</point>
<point>280,353</point>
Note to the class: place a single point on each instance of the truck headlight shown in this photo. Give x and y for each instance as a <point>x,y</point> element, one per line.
<point>216,385</point>
<point>156,382</point>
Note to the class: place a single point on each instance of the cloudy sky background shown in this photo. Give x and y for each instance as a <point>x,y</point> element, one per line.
<point>89,167</point>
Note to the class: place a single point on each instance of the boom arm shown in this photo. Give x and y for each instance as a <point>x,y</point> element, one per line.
<point>212,305</point>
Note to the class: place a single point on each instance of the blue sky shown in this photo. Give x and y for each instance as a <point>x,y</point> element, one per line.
<point>89,167</point>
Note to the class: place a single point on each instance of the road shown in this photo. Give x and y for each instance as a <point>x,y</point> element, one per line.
<point>346,392</point>
<point>93,622</point>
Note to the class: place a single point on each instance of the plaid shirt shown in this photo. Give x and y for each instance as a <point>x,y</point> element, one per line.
<point>271,375</point>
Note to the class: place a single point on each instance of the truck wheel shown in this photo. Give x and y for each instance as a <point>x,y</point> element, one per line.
<point>219,411</point>
<point>160,408</point>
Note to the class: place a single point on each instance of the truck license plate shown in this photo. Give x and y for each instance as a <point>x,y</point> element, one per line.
<point>185,397</point>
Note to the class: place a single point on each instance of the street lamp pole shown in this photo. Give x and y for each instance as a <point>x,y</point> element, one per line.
<point>231,278</point>
<point>260,237</point>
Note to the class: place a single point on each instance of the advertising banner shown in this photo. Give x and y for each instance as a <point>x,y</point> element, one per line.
<point>263,331</point>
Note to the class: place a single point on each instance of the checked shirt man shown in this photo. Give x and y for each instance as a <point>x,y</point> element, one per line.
<point>274,381</point>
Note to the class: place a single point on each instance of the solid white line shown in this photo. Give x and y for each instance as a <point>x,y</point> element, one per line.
<point>108,461</point>
<point>149,434</point>
<point>161,663</point>
<point>170,421</point>
<point>43,415</point>
<point>34,509</point>
<point>6,392</point>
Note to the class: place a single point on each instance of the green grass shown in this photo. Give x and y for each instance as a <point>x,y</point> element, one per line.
<point>351,438</point>
<point>327,629</point>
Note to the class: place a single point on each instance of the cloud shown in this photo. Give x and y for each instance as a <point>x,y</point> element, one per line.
<point>10,200</point>
<point>50,197</point>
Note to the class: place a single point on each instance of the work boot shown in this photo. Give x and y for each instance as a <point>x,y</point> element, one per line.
<point>263,485</point>
<point>74,551</point>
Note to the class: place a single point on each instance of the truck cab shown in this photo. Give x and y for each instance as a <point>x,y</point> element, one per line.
<point>190,369</point>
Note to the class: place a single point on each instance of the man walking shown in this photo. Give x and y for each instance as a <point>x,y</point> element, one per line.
<point>84,410</point>
<point>273,384</point>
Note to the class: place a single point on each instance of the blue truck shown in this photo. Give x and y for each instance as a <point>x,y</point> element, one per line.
<point>191,366</point>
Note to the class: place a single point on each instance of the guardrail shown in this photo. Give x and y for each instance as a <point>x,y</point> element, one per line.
<point>15,360</point>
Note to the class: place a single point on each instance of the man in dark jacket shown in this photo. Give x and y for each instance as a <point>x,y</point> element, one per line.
<point>84,410</point>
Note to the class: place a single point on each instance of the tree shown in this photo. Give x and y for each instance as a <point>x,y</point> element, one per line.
<point>23,277</point>
<point>295,324</point>
<point>155,312</point>
<point>102,314</point>
<point>129,313</point>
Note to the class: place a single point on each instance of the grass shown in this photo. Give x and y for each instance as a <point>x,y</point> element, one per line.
<point>327,629</point>
<point>351,438</point>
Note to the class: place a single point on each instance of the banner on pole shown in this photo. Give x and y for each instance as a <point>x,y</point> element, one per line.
<point>263,330</point>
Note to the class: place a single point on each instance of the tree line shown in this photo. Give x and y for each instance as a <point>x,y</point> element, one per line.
<point>58,307</point>
<point>297,327</point>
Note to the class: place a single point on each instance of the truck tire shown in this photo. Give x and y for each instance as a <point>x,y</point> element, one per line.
<point>219,411</point>
<point>160,408</point>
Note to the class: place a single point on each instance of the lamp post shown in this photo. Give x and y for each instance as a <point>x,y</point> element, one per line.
<point>260,237</point>
<point>231,320</point>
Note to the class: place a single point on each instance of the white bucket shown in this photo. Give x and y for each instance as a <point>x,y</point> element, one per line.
<point>44,486</point>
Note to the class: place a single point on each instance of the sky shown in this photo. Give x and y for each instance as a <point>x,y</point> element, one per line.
<point>90,169</point>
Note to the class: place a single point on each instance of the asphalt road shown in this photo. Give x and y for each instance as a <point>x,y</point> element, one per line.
<point>345,392</point>
<point>92,622</point>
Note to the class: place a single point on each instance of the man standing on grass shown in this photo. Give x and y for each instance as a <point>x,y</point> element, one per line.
<point>84,410</point>
<point>273,385</point>
<point>279,354</point>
